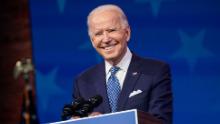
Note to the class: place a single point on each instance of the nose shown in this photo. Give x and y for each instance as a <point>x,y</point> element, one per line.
<point>106,37</point>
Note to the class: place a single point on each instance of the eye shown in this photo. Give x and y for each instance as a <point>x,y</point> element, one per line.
<point>98,33</point>
<point>111,30</point>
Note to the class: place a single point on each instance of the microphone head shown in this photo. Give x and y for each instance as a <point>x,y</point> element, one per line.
<point>95,100</point>
<point>67,112</point>
<point>70,110</point>
<point>81,107</point>
<point>89,105</point>
<point>77,103</point>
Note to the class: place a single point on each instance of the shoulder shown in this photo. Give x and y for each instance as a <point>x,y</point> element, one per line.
<point>150,65</point>
<point>91,71</point>
<point>153,62</point>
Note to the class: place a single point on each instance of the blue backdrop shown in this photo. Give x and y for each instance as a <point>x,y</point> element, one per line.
<point>184,33</point>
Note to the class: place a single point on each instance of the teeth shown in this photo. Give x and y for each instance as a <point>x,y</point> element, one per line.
<point>109,47</point>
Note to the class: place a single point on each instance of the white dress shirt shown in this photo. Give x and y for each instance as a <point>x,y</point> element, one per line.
<point>123,65</point>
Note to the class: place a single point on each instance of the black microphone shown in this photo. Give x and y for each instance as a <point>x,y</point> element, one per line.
<point>77,103</point>
<point>70,109</point>
<point>89,105</point>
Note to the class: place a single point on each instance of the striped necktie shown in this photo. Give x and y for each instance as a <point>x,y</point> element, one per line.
<point>113,88</point>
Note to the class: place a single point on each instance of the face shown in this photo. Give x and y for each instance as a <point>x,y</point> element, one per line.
<point>109,36</point>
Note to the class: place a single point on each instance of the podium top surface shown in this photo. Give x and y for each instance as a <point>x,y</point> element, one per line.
<point>123,117</point>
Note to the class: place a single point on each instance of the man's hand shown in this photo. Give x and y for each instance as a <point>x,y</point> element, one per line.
<point>90,115</point>
<point>94,114</point>
<point>75,117</point>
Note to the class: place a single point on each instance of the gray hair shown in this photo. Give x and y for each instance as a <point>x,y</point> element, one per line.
<point>108,7</point>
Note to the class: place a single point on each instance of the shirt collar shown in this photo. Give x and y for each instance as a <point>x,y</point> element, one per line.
<point>123,64</point>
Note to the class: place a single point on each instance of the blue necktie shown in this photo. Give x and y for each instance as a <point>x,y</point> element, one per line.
<point>113,88</point>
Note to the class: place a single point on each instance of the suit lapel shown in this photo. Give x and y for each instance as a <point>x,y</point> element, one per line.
<point>100,86</point>
<point>132,75</point>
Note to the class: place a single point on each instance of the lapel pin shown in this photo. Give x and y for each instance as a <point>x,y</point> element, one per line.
<point>134,73</point>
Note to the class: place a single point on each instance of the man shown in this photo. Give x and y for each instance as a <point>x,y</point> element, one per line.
<point>136,83</point>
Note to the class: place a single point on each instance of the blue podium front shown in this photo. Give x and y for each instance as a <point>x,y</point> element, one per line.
<point>124,117</point>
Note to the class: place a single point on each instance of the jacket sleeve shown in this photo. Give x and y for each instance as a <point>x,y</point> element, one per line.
<point>160,104</point>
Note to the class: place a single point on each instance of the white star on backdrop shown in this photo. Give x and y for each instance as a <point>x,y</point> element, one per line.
<point>192,48</point>
<point>61,5</point>
<point>155,5</point>
<point>46,87</point>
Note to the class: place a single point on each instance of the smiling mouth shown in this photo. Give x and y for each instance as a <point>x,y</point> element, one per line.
<point>109,48</point>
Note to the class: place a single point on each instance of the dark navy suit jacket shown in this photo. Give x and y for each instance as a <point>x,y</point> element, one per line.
<point>152,77</point>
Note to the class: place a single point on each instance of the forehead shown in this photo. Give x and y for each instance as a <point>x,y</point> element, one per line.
<point>105,19</point>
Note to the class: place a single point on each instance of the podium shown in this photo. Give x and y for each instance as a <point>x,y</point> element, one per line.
<point>124,117</point>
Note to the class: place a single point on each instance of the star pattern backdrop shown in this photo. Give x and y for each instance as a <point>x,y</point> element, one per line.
<point>184,33</point>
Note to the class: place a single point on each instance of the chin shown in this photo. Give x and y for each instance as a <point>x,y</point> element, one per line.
<point>111,59</point>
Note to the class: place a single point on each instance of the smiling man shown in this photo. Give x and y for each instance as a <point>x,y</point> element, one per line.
<point>109,33</point>
<point>124,80</point>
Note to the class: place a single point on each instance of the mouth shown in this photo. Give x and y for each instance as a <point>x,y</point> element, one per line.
<point>109,47</point>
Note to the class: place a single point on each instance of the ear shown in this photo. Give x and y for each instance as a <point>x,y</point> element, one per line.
<point>91,39</point>
<point>128,32</point>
